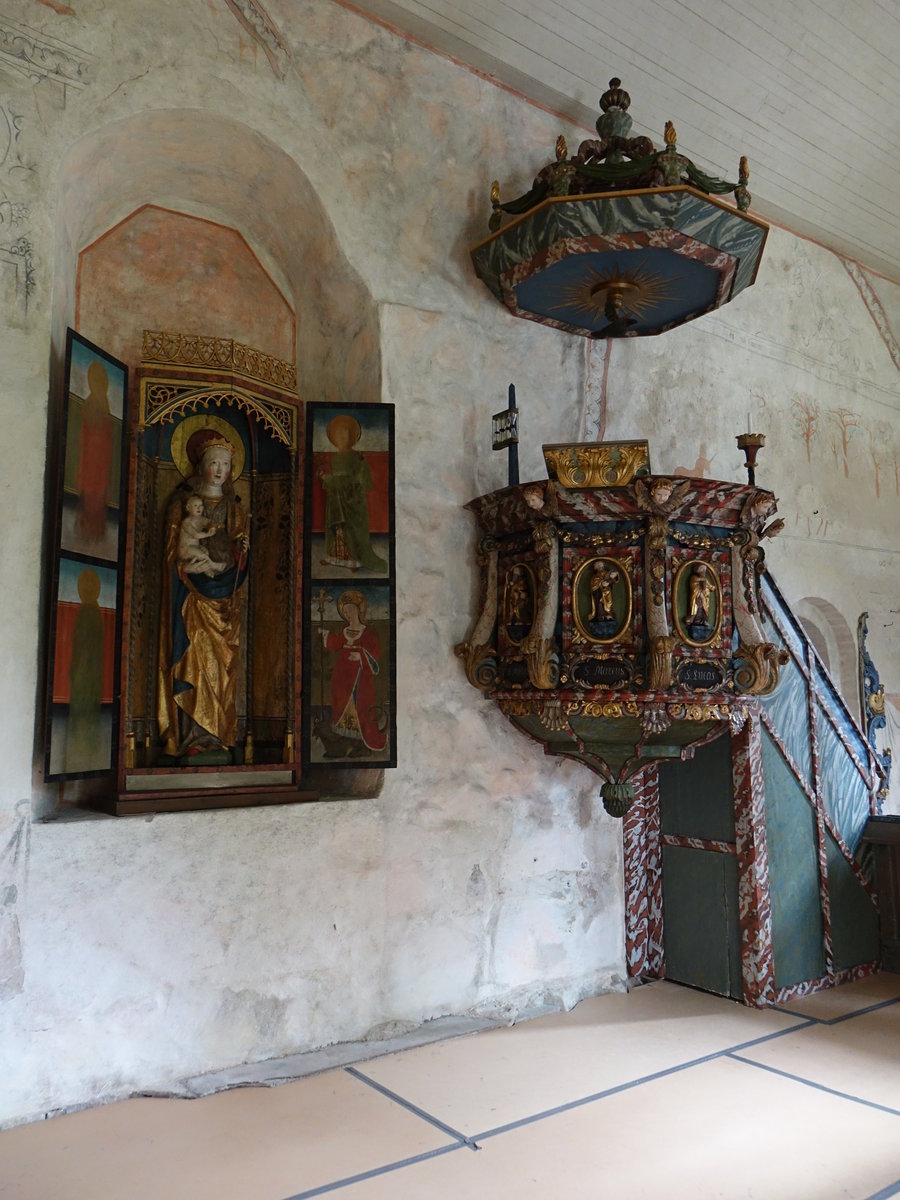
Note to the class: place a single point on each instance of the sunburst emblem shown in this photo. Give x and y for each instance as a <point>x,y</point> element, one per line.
<point>599,294</point>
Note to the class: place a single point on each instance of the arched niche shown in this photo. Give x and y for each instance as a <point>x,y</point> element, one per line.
<point>213,167</point>
<point>177,167</point>
<point>828,630</point>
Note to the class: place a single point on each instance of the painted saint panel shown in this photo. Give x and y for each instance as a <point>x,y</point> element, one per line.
<point>88,470</point>
<point>92,461</point>
<point>349,609</point>
<point>350,493</point>
<point>83,682</point>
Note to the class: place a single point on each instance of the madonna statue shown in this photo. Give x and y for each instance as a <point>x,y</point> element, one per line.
<point>205,566</point>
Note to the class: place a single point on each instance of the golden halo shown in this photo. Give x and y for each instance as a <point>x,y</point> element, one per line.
<point>88,586</point>
<point>343,421</point>
<point>191,425</point>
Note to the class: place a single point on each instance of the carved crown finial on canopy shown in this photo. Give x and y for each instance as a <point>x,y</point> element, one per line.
<point>615,97</point>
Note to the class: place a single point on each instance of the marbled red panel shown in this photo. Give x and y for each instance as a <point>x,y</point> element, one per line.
<point>713,502</point>
<point>643,878</point>
<point>807,987</point>
<point>692,843</point>
<point>821,844</point>
<point>754,912</point>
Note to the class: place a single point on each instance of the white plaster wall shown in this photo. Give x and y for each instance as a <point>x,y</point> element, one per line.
<point>485,877</point>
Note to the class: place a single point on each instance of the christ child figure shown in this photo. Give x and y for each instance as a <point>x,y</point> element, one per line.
<point>194,529</point>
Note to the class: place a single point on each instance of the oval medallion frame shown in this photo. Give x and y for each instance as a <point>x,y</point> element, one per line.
<point>621,599</point>
<point>680,587</point>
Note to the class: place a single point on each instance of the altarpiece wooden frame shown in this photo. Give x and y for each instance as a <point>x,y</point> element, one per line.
<point>88,473</point>
<point>207,387</point>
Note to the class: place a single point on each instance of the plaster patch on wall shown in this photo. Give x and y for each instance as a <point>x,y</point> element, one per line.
<point>264,1017</point>
<point>13,876</point>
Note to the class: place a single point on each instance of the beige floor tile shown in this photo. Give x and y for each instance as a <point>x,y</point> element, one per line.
<point>479,1083</point>
<point>860,1057</point>
<point>848,998</point>
<point>247,1144</point>
<point>774,1140</point>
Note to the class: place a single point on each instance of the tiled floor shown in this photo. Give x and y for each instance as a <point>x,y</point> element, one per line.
<point>666,1092</point>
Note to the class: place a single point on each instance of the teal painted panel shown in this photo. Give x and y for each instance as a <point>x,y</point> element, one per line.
<point>794,638</point>
<point>797,929</point>
<point>700,920</point>
<point>854,918</point>
<point>836,706</point>
<point>696,798</point>
<point>843,789</point>
<point>788,709</point>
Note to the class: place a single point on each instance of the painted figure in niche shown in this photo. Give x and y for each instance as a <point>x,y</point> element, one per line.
<point>85,677</point>
<point>603,577</point>
<point>347,537</point>
<point>518,598</point>
<point>97,444</point>
<point>700,587</point>
<point>355,713</point>
<point>200,627</point>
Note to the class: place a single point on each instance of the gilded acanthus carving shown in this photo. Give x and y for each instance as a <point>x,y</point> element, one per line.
<point>183,349</point>
<point>542,661</point>
<point>660,662</point>
<point>612,465</point>
<point>163,401</point>
<point>756,673</point>
<point>539,647</point>
<point>478,652</point>
<point>480,663</point>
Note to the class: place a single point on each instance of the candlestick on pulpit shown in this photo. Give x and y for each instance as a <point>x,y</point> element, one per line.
<point>751,444</point>
<point>506,435</point>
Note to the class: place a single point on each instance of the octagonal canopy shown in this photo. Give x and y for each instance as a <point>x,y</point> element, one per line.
<point>621,240</point>
<point>622,264</point>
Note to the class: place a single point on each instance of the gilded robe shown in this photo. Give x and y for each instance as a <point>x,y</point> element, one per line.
<point>200,632</point>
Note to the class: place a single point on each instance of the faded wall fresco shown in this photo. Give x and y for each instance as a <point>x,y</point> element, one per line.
<point>164,270</point>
